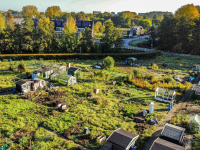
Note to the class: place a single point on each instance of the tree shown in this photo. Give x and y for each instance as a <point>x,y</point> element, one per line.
<point>46,33</point>
<point>86,43</point>
<point>145,17</point>
<point>69,39</point>
<point>118,41</point>
<point>153,35</point>
<point>30,11</point>
<point>109,62</point>
<point>53,12</point>
<point>145,23</point>
<point>155,16</point>
<point>79,17</point>
<point>66,16</point>
<point>22,67</point>
<point>190,12</point>
<point>2,23</point>
<point>97,26</point>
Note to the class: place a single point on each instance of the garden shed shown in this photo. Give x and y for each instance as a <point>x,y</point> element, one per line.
<point>73,70</point>
<point>172,133</point>
<point>131,61</point>
<point>165,95</point>
<point>59,68</point>
<point>45,72</point>
<point>194,123</point>
<point>26,85</point>
<point>122,139</point>
<point>198,68</point>
<point>196,90</point>
<point>65,78</point>
<point>160,144</point>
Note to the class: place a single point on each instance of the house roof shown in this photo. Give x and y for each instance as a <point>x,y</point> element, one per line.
<point>121,138</point>
<point>22,81</point>
<point>172,132</point>
<point>58,66</point>
<point>160,144</point>
<point>73,69</point>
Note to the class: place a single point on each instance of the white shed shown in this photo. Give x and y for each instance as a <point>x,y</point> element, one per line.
<point>165,95</point>
<point>194,123</point>
<point>198,68</point>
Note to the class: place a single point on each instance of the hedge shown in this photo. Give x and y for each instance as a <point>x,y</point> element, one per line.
<point>47,56</point>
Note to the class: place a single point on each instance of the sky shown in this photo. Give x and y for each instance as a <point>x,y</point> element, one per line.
<point>88,6</point>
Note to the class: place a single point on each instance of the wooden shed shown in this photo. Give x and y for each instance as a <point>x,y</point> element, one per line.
<point>59,68</point>
<point>45,72</point>
<point>73,70</point>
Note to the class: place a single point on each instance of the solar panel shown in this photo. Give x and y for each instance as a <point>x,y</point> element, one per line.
<point>85,24</point>
<point>63,23</point>
<point>78,23</point>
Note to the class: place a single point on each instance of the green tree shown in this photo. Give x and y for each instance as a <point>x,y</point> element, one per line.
<point>109,62</point>
<point>22,67</point>
<point>69,39</point>
<point>30,11</point>
<point>145,17</point>
<point>47,34</point>
<point>86,43</point>
<point>97,26</point>
<point>53,12</point>
<point>153,35</point>
<point>145,23</point>
<point>2,23</point>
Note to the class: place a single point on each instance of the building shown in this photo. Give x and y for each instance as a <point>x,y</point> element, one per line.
<point>113,13</point>
<point>73,70</point>
<point>26,85</point>
<point>137,30</point>
<point>66,79</point>
<point>43,72</point>
<point>165,95</point>
<point>172,133</point>
<point>96,12</point>
<point>141,14</point>
<point>59,68</point>
<point>122,140</point>
<point>170,139</point>
<point>160,144</point>
<point>59,25</point>
<point>18,20</point>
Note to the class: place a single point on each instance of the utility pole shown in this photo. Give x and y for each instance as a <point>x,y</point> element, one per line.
<point>80,49</point>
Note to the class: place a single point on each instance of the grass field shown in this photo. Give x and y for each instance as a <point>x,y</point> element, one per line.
<point>114,107</point>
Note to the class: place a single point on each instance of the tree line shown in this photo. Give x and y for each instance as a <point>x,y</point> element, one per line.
<point>26,38</point>
<point>181,32</point>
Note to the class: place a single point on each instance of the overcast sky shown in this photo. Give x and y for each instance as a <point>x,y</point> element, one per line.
<point>139,6</point>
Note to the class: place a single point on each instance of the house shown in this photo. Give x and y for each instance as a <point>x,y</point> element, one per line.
<point>137,30</point>
<point>73,70</point>
<point>65,78</point>
<point>18,20</point>
<point>59,68</point>
<point>113,13</point>
<point>165,95</point>
<point>122,139</point>
<point>172,133</point>
<point>160,144</point>
<point>44,72</point>
<point>59,25</point>
<point>96,12</point>
<point>26,85</point>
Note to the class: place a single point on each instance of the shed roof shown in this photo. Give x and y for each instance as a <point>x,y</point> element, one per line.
<point>121,138</point>
<point>73,69</point>
<point>173,132</point>
<point>22,81</point>
<point>160,144</point>
<point>44,69</point>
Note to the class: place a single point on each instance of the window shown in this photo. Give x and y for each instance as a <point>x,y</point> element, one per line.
<point>59,28</point>
<point>85,24</point>
<point>78,23</point>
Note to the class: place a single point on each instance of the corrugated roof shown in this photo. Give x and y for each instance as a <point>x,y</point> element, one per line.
<point>73,69</point>
<point>22,81</point>
<point>121,138</point>
<point>161,144</point>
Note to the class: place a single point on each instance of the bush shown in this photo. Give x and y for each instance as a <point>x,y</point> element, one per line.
<point>136,72</point>
<point>155,66</point>
<point>109,62</point>
<point>168,79</point>
<point>22,66</point>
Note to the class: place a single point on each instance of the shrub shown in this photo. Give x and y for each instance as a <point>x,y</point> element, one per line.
<point>136,72</point>
<point>109,62</point>
<point>155,66</point>
<point>168,79</point>
<point>22,66</point>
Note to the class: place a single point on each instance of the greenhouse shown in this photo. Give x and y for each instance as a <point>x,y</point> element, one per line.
<point>64,79</point>
<point>165,95</point>
<point>194,123</point>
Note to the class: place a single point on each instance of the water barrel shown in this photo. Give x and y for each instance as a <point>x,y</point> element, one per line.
<point>169,107</point>
<point>126,63</point>
<point>14,90</point>
<point>133,148</point>
<point>151,108</point>
<point>10,59</point>
<point>133,64</point>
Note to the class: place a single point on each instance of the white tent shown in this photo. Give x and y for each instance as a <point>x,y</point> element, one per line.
<point>165,95</point>
<point>194,122</point>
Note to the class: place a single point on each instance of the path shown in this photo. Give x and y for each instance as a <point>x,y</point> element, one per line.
<point>181,104</point>
<point>64,138</point>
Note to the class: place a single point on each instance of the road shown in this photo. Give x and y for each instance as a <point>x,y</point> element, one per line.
<point>181,104</point>
<point>126,41</point>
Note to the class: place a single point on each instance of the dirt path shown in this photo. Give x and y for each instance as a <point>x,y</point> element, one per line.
<point>64,138</point>
<point>181,104</point>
